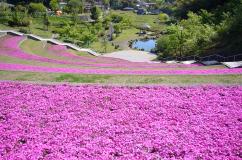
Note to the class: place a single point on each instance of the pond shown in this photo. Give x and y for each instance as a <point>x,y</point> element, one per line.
<point>145,44</point>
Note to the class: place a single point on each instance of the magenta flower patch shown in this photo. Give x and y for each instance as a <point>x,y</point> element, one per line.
<point>104,122</point>
<point>10,47</point>
<point>98,65</point>
<point>29,68</point>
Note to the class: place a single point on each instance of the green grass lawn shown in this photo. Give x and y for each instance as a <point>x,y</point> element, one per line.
<point>37,26</point>
<point>128,34</point>
<point>121,41</point>
<point>121,79</point>
<point>36,29</point>
<point>138,20</point>
<point>98,46</point>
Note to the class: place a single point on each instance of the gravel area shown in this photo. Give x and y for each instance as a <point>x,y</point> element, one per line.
<point>132,55</point>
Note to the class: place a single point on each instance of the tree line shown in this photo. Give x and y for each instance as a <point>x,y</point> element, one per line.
<point>201,27</point>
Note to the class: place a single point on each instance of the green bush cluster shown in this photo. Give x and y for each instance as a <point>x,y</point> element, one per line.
<point>37,9</point>
<point>202,30</point>
<point>19,18</point>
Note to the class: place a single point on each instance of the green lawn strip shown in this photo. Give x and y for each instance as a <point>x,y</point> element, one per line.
<point>178,79</point>
<point>121,79</point>
<point>82,78</point>
<point>52,77</point>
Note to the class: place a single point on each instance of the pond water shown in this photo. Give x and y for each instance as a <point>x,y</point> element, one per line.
<point>146,45</point>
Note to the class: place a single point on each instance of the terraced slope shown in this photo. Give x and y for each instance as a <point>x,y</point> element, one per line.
<point>20,55</point>
<point>61,121</point>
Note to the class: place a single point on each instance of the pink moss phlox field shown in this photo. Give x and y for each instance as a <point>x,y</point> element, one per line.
<point>10,45</point>
<point>62,51</point>
<point>29,68</point>
<point>110,122</point>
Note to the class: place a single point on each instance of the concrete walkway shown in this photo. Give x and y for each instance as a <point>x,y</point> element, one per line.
<point>233,64</point>
<point>132,55</point>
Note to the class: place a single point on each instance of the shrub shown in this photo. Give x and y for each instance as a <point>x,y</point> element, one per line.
<point>4,13</point>
<point>117,28</point>
<point>20,8</point>
<point>36,8</point>
<point>25,31</point>
<point>95,13</point>
<point>19,19</point>
<point>163,17</point>
<point>192,38</point>
<point>74,6</point>
<point>54,5</point>
<point>25,22</point>
<point>116,18</point>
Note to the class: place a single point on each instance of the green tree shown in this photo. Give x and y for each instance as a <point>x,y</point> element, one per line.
<point>117,28</point>
<point>54,5</point>
<point>186,6</point>
<point>4,12</point>
<point>188,37</point>
<point>74,18</point>
<point>105,42</point>
<point>19,18</point>
<point>46,21</point>
<point>169,44</point>
<point>106,3</point>
<point>87,38</point>
<point>37,9</point>
<point>163,17</point>
<point>106,22</point>
<point>95,13</point>
<point>75,6</point>
<point>20,8</point>
<point>116,18</point>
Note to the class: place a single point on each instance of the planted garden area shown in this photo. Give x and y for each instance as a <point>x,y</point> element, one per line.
<point>58,59</point>
<point>90,121</point>
<point>58,103</point>
<point>105,122</point>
